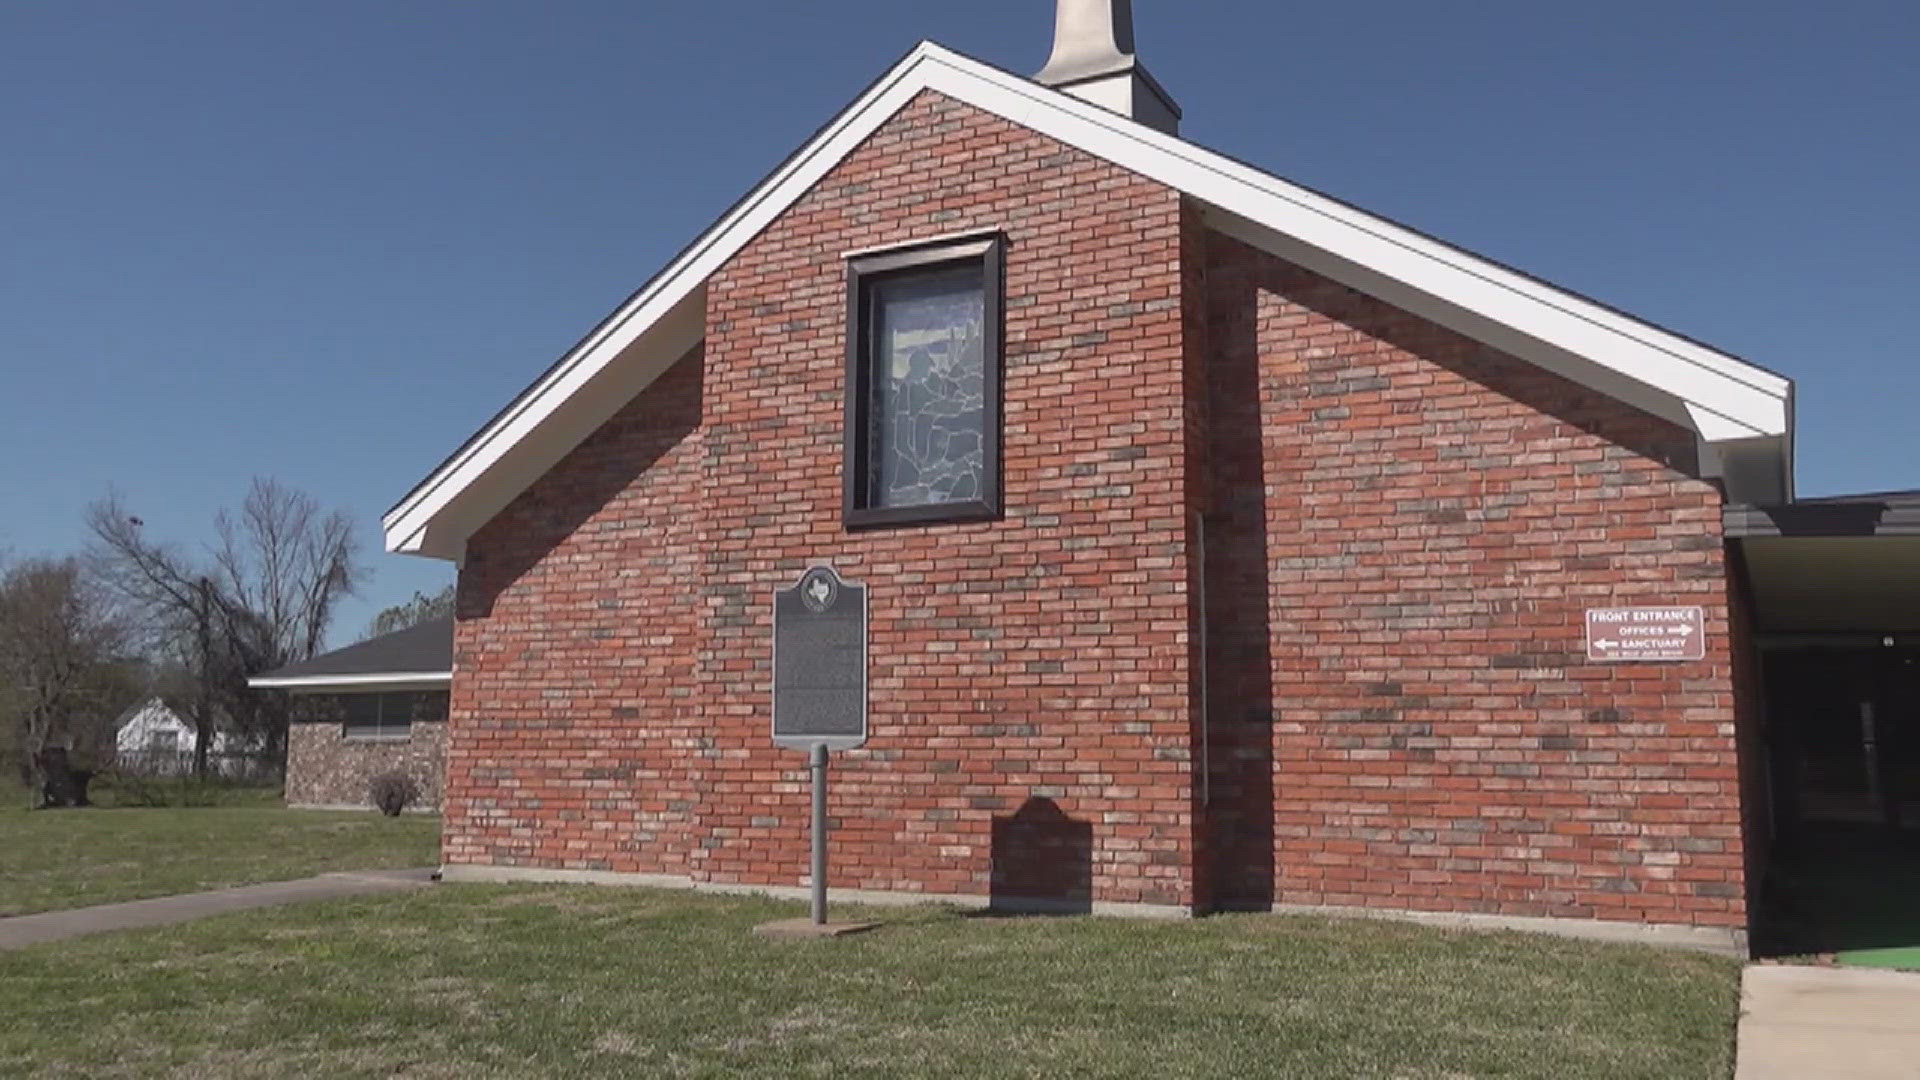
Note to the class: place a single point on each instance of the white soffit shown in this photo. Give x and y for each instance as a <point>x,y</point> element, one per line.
<point>1719,396</point>
<point>386,680</point>
<point>567,404</point>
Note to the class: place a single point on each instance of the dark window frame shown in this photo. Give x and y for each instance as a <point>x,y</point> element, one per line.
<point>863,271</point>
<point>382,729</point>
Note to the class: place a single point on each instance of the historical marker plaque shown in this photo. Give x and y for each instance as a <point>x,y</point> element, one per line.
<point>820,662</point>
<point>1646,633</point>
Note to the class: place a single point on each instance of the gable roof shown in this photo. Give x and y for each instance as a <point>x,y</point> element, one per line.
<point>419,657</point>
<point>1737,409</point>
<point>152,710</point>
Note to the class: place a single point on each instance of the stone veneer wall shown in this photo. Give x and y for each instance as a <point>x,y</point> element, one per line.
<point>326,769</point>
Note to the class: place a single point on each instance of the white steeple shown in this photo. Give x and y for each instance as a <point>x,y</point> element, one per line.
<point>1093,60</point>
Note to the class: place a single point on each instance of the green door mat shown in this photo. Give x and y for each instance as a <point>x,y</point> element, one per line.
<point>1905,957</point>
<point>1873,915</point>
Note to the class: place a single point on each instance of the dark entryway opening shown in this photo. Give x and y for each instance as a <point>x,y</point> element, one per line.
<point>1834,804</point>
<point>1843,747</point>
<point>1846,725</point>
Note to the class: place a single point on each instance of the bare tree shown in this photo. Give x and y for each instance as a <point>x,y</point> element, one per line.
<point>287,563</point>
<point>422,608</point>
<point>259,599</point>
<point>172,597</point>
<point>64,673</point>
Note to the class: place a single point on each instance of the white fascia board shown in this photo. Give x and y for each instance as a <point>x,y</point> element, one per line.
<point>364,683</point>
<point>410,525</point>
<point>1718,387</point>
<point>1717,395</point>
<point>542,427</point>
<point>1562,360</point>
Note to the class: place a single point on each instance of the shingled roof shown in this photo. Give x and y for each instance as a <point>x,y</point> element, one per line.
<point>419,657</point>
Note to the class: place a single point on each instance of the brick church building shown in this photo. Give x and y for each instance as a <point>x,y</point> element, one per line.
<point>1226,546</point>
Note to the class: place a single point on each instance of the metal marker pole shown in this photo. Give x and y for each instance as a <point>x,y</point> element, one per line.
<point>817,762</point>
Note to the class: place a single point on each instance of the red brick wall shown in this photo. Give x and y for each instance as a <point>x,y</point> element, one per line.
<point>1030,715</point>
<point>573,721</point>
<point>1407,529</point>
<point>1401,532</point>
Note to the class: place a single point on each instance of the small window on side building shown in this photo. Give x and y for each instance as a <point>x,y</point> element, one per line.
<point>377,716</point>
<point>923,384</point>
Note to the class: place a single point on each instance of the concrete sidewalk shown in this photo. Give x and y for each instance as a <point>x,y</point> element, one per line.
<point>1805,1023</point>
<point>20,931</point>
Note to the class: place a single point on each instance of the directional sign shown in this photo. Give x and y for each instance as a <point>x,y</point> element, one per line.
<point>1648,633</point>
<point>820,662</point>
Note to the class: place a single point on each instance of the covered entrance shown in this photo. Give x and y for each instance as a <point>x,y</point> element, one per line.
<point>1845,725</point>
<point>1834,586</point>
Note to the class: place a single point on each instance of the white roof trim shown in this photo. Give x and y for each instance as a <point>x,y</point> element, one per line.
<point>381,680</point>
<point>1718,395</point>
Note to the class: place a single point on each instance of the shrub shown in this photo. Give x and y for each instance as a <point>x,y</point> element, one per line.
<point>394,792</point>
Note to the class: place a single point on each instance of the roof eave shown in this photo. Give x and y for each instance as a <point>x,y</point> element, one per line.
<point>362,682</point>
<point>1725,400</point>
<point>525,442</point>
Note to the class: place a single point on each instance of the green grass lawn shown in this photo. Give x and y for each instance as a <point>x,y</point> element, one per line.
<point>70,858</point>
<point>477,981</point>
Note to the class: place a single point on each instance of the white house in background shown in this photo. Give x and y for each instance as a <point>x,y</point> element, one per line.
<point>152,728</point>
<point>151,737</point>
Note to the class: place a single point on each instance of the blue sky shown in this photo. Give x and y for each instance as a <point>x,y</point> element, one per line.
<point>325,242</point>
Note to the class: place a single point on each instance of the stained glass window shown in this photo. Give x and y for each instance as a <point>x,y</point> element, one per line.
<point>927,418</point>
<point>923,384</point>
